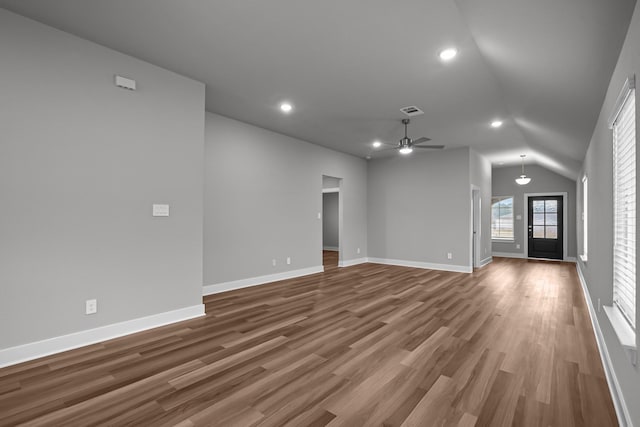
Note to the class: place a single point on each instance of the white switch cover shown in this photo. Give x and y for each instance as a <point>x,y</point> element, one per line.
<point>160,210</point>
<point>288,260</point>
<point>319,215</point>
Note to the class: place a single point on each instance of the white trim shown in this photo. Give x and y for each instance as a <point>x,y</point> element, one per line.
<point>350,262</point>
<point>331,190</point>
<point>259,280</point>
<point>330,248</point>
<point>34,350</point>
<point>565,233</point>
<point>629,85</point>
<point>419,264</point>
<point>485,261</point>
<point>624,418</point>
<point>625,333</point>
<point>509,254</point>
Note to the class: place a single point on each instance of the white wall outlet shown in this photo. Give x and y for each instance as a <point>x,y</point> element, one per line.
<point>91,306</point>
<point>273,262</point>
<point>358,250</point>
<point>319,215</point>
<point>449,255</point>
<point>518,246</point>
<point>288,260</point>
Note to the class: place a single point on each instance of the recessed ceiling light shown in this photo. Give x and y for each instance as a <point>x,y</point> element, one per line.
<point>286,107</point>
<point>448,54</point>
<point>496,123</point>
<point>376,144</point>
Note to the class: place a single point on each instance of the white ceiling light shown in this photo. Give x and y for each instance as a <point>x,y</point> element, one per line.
<point>377,144</point>
<point>523,180</point>
<point>286,107</point>
<point>496,123</point>
<point>406,150</point>
<point>448,54</point>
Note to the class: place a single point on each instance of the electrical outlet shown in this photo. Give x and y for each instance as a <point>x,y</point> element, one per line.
<point>358,251</point>
<point>449,255</point>
<point>288,260</point>
<point>273,262</point>
<point>91,306</point>
<point>518,246</point>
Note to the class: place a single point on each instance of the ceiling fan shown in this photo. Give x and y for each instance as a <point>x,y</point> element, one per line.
<point>406,144</point>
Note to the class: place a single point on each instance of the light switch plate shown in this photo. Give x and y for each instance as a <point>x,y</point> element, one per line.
<point>160,210</point>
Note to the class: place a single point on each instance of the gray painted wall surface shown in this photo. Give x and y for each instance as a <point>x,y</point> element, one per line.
<point>419,207</point>
<point>263,192</point>
<point>330,232</point>
<point>481,177</point>
<point>81,163</point>
<point>542,181</point>
<point>330,182</point>
<point>598,270</point>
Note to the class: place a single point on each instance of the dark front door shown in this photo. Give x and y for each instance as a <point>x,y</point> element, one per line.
<point>545,227</point>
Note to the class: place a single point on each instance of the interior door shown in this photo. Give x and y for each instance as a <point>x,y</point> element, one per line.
<point>545,227</point>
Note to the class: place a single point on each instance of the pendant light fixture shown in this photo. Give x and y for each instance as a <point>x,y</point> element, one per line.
<point>523,180</point>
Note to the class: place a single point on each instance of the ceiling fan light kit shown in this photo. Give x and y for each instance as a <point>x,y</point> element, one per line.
<point>406,145</point>
<point>523,179</point>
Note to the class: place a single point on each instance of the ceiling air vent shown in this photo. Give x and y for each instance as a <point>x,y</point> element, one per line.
<point>412,111</point>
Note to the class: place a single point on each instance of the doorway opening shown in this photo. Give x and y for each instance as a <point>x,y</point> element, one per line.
<point>476,232</point>
<point>545,231</point>
<point>331,221</point>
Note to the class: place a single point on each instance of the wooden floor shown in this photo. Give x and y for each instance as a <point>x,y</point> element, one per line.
<point>510,344</point>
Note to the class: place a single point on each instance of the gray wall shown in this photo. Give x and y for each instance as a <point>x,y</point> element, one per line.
<point>330,234</point>
<point>263,194</point>
<point>480,175</point>
<point>598,270</point>
<point>419,207</point>
<point>542,181</point>
<point>81,163</point>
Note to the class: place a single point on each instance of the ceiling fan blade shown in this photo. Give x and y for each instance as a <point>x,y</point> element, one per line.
<point>429,147</point>
<point>420,140</point>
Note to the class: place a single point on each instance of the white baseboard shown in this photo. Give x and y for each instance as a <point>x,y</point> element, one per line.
<point>259,280</point>
<point>426,265</point>
<point>34,350</point>
<point>624,418</point>
<point>571,259</point>
<point>508,254</point>
<point>350,262</point>
<point>331,248</point>
<point>485,261</point>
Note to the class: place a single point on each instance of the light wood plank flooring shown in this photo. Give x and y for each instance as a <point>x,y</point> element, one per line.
<point>510,344</point>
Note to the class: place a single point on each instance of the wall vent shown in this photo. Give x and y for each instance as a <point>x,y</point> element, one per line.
<point>412,111</point>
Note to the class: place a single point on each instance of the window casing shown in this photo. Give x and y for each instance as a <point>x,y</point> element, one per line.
<point>585,218</point>
<point>624,207</point>
<point>502,218</point>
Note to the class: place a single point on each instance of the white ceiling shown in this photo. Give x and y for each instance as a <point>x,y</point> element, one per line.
<point>348,66</point>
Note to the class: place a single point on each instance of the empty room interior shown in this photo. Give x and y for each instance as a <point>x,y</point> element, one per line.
<point>355,213</point>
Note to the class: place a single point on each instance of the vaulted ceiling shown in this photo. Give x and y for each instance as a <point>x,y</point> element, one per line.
<point>348,66</point>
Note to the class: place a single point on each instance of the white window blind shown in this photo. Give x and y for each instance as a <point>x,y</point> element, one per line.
<point>585,217</point>
<point>624,201</point>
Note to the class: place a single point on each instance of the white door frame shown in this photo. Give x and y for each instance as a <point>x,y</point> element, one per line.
<point>564,221</point>
<point>476,225</point>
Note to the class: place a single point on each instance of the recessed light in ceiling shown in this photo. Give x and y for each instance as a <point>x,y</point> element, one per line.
<point>496,123</point>
<point>286,107</point>
<point>448,54</point>
<point>377,144</point>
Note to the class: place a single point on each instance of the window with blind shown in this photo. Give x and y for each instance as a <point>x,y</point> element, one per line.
<point>502,218</point>
<point>585,218</point>
<point>624,204</point>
